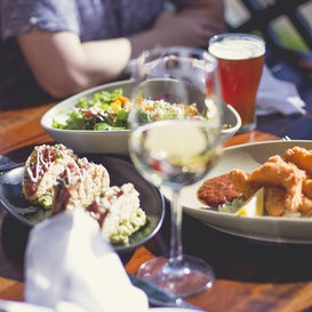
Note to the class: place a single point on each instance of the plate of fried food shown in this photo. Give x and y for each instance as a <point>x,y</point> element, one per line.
<point>54,179</point>
<point>260,191</point>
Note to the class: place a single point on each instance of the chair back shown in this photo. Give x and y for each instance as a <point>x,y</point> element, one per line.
<point>286,26</point>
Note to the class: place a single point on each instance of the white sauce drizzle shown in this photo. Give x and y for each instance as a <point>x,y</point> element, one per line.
<point>40,160</point>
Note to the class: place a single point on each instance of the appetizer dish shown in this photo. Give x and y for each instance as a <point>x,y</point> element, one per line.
<point>280,187</point>
<point>233,213</point>
<point>57,179</point>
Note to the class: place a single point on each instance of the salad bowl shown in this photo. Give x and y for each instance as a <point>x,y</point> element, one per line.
<point>108,141</point>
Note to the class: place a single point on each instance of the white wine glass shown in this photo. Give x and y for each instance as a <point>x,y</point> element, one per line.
<point>175,139</point>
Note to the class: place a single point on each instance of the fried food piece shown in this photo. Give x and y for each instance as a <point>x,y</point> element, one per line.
<point>240,180</point>
<point>217,191</point>
<point>306,207</point>
<point>287,182</point>
<point>307,187</point>
<point>274,201</point>
<point>293,202</point>
<point>278,173</point>
<point>301,157</point>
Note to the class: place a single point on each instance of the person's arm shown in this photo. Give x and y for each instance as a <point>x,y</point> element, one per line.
<point>63,65</point>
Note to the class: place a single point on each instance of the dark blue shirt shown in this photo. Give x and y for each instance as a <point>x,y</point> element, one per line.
<point>89,19</point>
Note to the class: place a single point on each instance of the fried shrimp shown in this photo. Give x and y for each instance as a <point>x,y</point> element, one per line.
<point>274,201</point>
<point>301,157</point>
<point>276,172</point>
<point>307,187</point>
<point>240,180</point>
<point>287,183</point>
<point>306,207</point>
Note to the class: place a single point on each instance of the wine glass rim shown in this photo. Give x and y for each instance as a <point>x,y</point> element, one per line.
<point>198,53</point>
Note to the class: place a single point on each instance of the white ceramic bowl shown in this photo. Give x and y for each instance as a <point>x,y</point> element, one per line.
<point>107,142</point>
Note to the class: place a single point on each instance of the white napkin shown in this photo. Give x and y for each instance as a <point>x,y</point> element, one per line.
<point>15,306</point>
<point>277,96</point>
<point>69,266</point>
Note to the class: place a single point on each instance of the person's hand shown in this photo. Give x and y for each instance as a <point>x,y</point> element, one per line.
<point>182,29</point>
<point>193,25</point>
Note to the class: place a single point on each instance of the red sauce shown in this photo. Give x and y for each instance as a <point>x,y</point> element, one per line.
<point>217,191</point>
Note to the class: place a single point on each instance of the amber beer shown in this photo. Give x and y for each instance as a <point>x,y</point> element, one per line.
<point>241,59</point>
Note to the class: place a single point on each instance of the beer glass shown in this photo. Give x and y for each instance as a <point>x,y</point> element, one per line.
<point>241,59</point>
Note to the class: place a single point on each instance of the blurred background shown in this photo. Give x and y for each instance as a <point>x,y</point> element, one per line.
<point>284,23</point>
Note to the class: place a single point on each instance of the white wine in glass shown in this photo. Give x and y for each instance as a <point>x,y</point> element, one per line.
<point>175,139</point>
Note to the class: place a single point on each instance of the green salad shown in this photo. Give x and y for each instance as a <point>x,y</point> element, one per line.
<point>104,111</point>
<point>109,111</point>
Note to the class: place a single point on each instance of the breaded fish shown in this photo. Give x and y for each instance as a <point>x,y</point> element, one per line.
<point>306,207</point>
<point>274,201</point>
<point>240,180</point>
<point>301,157</point>
<point>307,187</point>
<point>276,172</point>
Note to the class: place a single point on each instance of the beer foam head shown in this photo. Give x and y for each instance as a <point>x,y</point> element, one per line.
<point>236,48</point>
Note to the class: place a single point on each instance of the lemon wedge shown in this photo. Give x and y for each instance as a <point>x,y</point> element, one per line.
<point>253,206</point>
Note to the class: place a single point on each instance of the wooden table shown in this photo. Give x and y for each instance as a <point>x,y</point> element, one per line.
<point>251,276</point>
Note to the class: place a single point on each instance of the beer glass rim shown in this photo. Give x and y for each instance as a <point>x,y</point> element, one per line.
<point>244,36</point>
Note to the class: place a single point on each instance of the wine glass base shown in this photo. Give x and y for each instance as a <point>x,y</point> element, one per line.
<point>193,277</point>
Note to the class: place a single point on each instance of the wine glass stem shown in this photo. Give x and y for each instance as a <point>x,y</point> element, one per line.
<point>176,249</point>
